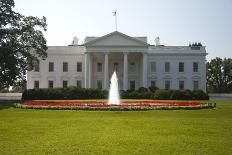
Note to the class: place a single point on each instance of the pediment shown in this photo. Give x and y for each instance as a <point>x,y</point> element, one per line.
<point>115,39</point>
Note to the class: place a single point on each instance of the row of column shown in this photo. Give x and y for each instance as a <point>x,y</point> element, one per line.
<point>88,70</point>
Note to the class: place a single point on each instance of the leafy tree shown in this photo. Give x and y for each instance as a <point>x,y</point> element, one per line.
<point>219,75</point>
<point>21,43</point>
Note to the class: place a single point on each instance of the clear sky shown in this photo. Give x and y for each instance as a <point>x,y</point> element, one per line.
<point>176,22</point>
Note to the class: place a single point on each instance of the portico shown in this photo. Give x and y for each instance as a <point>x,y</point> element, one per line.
<point>120,62</point>
<point>120,44</point>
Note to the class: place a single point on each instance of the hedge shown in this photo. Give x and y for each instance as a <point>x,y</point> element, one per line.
<point>90,93</point>
<point>64,93</point>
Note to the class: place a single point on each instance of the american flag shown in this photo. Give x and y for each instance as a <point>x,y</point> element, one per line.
<point>114,13</point>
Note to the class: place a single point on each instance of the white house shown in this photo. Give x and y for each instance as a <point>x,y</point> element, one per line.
<point>137,63</point>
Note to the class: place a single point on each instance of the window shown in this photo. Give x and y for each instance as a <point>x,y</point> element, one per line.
<point>50,84</point>
<point>99,67</point>
<point>167,84</point>
<point>181,84</point>
<point>79,83</point>
<point>195,85</point>
<point>116,68</point>
<point>36,84</point>
<point>195,67</point>
<point>65,83</point>
<point>132,85</point>
<point>181,67</point>
<point>79,66</point>
<point>99,84</point>
<point>153,83</point>
<point>51,67</point>
<point>132,67</point>
<point>167,66</point>
<point>36,66</point>
<point>65,67</point>
<point>153,66</point>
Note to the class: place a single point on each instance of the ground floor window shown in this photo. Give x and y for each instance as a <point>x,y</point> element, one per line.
<point>79,83</point>
<point>132,85</point>
<point>167,84</point>
<point>99,84</point>
<point>65,83</point>
<point>36,84</point>
<point>195,85</point>
<point>153,83</point>
<point>181,84</point>
<point>50,84</point>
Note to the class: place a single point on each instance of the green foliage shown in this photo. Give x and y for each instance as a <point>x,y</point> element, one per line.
<point>163,94</point>
<point>21,43</point>
<point>64,93</point>
<point>153,89</point>
<point>219,75</point>
<point>195,44</point>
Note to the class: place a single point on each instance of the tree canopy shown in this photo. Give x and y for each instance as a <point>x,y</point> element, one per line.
<point>219,75</point>
<point>21,43</point>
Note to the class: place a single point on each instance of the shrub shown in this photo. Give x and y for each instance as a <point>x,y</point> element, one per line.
<point>162,94</point>
<point>64,93</point>
<point>199,95</point>
<point>142,89</point>
<point>153,89</point>
<point>181,95</point>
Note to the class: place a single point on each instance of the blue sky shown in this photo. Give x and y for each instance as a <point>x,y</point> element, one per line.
<point>176,22</point>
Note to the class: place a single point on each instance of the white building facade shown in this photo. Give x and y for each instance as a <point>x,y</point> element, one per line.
<point>138,64</point>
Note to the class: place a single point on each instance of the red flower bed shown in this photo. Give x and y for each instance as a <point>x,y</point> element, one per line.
<point>104,104</point>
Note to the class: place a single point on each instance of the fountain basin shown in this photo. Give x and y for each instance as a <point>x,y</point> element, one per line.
<point>126,105</point>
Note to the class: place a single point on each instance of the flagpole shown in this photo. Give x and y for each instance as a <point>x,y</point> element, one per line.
<point>115,17</point>
<point>116,20</point>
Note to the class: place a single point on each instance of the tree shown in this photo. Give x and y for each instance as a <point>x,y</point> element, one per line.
<point>21,43</point>
<point>219,75</point>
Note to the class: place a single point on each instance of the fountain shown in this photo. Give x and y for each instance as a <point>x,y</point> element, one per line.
<point>114,92</point>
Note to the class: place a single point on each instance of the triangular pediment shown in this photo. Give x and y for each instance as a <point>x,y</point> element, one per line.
<point>115,39</point>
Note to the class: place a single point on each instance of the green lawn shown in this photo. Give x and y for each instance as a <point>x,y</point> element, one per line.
<point>105,132</point>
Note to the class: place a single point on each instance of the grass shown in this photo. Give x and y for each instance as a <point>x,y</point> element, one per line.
<point>106,132</point>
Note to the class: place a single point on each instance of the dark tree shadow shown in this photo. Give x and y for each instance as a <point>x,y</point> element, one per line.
<point>5,104</point>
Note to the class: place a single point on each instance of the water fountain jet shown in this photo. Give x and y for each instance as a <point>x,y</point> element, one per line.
<point>114,92</point>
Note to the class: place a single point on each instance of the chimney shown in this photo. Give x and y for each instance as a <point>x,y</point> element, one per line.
<point>75,41</point>
<point>157,41</point>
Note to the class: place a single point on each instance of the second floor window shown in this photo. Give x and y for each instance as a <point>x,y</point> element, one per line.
<point>65,67</point>
<point>79,67</point>
<point>99,67</point>
<point>36,66</point>
<point>181,66</point>
<point>51,67</point>
<point>153,66</point>
<point>167,66</point>
<point>195,67</point>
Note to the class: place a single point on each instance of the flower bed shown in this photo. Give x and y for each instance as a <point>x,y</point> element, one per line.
<point>127,105</point>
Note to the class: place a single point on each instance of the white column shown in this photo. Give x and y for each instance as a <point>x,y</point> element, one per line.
<point>106,72</point>
<point>125,72</point>
<point>86,70</point>
<point>90,71</point>
<point>144,70</point>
